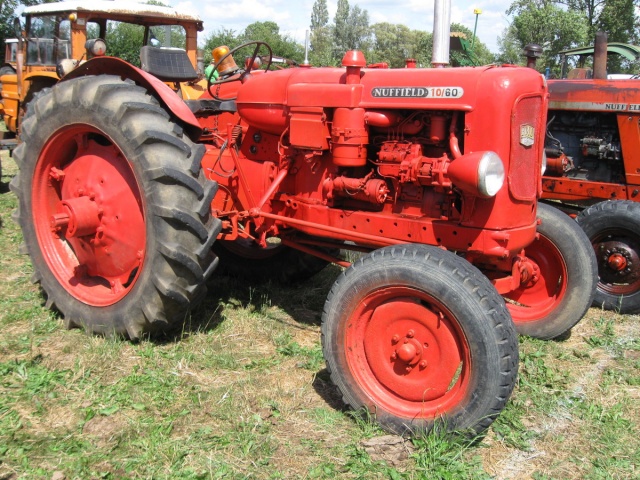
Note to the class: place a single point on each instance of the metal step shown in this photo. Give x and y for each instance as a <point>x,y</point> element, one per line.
<point>9,144</point>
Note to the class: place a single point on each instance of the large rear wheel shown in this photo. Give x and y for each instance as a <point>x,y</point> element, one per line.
<point>613,227</point>
<point>561,275</point>
<point>114,208</point>
<point>416,335</point>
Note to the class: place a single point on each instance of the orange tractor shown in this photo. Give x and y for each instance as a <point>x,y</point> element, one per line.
<point>593,168</point>
<point>57,37</point>
<point>130,195</point>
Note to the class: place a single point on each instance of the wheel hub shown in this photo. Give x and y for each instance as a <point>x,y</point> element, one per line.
<point>402,340</point>
<point>409,351</point>
<point>89,215</point>
<point>78,217</point>
<point>618,263</point>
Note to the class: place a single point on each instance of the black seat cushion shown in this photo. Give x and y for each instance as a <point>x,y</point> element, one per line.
<point>168,64</point>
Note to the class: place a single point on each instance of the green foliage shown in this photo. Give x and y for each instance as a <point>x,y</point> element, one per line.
<point>558,25</point>
<point>124,40</point>
<point>269,32</point>
<point>442,456</point>
<point>320,50</point>
<point>7,13</point>
<point>393,44</point>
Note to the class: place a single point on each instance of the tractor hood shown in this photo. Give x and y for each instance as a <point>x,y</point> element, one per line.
<point>264,100</point>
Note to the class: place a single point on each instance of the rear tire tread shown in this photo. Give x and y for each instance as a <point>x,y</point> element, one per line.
<point>175,194</point>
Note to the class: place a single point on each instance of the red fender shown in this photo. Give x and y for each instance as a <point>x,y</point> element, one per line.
<point>116,66</point>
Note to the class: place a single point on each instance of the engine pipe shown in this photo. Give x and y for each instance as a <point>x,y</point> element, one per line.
<point>441,33</point>
<point>600,56</point>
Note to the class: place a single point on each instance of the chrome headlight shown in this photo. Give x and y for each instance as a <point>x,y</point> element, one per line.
<point>490,174</point>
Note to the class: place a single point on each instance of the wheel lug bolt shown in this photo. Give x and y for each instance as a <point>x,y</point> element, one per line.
<point>410,334</point>
<point>409,368</point>
<point>394,356</point>
<point>423,364</point>
<point>395,339</point>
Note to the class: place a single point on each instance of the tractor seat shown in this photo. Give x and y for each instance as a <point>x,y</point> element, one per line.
<point>168,64</point>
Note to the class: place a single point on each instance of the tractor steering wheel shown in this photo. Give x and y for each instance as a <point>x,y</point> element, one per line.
<point>239,74</point>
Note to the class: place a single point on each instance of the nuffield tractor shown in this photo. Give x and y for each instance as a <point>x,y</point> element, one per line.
<point>593,151</point>
<point>129,196</point>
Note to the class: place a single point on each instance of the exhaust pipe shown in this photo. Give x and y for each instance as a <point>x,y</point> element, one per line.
<point>441,33</point>
<point>600,56</point>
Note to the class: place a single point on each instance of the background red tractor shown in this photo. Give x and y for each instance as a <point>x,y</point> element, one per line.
<point>126,190</point>
<point>593,169</point>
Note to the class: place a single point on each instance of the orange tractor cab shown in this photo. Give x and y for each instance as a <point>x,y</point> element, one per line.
<point>593,167</point>
<point>57,37</point>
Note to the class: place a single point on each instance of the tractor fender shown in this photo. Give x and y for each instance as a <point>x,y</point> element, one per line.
<point>51,76</point>
<point>116,66</point>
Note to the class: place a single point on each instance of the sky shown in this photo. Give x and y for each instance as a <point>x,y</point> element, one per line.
<point>293,16</point>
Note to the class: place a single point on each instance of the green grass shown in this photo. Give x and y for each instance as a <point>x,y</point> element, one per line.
<point>242,392</point>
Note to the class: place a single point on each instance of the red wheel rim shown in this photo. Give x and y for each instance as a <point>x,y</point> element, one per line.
<point>408,353</point>
<point>618,261</point>
<point>88,215</point>
<point>540,296</point>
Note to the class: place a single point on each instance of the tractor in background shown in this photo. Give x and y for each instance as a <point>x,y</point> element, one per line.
<point>593,167</point>
<point>57,37</point>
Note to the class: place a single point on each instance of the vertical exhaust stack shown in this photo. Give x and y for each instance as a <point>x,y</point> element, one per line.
<point>600,56</point>
<point>441,33</point>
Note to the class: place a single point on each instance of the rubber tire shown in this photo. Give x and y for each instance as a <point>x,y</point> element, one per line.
<point>613,215</point>
<point>286,265</point>
<point>481,314</point>
<point>176,201</point>
<point>580,263</point>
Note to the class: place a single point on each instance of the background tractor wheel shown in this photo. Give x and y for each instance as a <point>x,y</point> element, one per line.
<point>114,208</point>
<point>613,227</point>
<point>563,290</point>
<point>416,335</point>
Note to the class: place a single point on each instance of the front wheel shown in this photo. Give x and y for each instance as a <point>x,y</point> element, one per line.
<point>415,335</point>
<point>562,278</point>
<point>114,208</point>
<point>613,227</point>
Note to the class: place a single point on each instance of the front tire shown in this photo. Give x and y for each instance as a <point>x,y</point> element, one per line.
<point>552,304</point>
<point>613,227</point>
<point>114,208</point>
<point>416,335</point>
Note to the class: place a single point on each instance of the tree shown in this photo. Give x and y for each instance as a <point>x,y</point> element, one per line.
<point>351,29</point>
<point>320,49</point>
<point>358,33</point>
<point>218,38</point>
<point>550,26</point>
<point>269,32</point>
<point>560,24</point>
<point>7,12</point>
<point>393,44</point>
<point>340,34</point>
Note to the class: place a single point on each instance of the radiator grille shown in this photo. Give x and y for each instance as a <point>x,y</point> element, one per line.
<point>526,148</point>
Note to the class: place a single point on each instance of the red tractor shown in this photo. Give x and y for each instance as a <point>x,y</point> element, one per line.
<point>126,191</point>
<point>593,169</point>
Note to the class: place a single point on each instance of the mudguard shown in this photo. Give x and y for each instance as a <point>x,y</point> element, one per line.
<point>116,66</point>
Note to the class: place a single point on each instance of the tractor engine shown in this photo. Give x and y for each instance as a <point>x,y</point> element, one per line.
<point>584,145</point>
<point>382,156</point>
